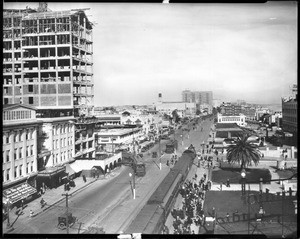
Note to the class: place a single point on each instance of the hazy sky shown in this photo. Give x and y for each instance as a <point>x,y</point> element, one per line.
<point>238,51</point>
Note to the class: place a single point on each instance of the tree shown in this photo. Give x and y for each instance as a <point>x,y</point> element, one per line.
<point>243,152</point>
<point>175,115</point>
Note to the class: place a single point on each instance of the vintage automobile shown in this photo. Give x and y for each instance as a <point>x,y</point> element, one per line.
<point>154,154</point>
<point>62,220</point>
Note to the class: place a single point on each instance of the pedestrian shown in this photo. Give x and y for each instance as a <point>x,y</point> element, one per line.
<point>31,213</point>
<point>41,190</point>
<point>84,178</point>
<point>213,212</point>
<point>221,184</point>
<point>227,216</point>
<point>228,183</point>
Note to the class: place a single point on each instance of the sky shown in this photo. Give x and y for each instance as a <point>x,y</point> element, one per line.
<point>237,51</point>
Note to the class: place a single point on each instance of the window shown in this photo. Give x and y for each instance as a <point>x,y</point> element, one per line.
<point>20,136</point>
<point>31,168</point>
<point>7,156</point>
<point>27,151</point>
<point>16,136</point>
<point>20,152</point>
<point>7,139</point>
<point>7,174</point>
<point>30,100</point>
<point>15,154</point>
<point>20,170</point>
<point>27,167</point>
<point>16,169</point>
<point>31,150</point>
<point>30,88</point>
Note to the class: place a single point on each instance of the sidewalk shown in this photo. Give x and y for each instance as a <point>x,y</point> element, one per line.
<point>52,197</point>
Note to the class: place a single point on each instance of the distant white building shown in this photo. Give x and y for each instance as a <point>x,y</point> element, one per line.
<point>183,108</point>
<point>240,119</point>
<point>217,103</point>
<point>260,112</point>
<point>205,108</point>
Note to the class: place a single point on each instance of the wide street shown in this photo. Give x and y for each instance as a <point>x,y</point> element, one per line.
<point>100,202</point>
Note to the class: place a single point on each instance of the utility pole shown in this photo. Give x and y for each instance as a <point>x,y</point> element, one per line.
<point>67,210</point>
<point>159,150</point>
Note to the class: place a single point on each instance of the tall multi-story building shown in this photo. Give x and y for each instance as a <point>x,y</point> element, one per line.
<point>47,61</point>
<point>289,115</point>
<point>198,97</point>
<point>187,96</point>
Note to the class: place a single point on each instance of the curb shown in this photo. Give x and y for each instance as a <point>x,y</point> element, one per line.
<point>132,216</point>
<point>61,199</point>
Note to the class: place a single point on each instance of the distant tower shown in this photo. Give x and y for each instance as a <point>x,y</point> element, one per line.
<point>159,97</point>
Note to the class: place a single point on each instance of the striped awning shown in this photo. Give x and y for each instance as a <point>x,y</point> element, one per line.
<point>19,192</point>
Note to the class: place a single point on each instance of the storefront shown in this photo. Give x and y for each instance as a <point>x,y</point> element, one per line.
<point>51,177</point>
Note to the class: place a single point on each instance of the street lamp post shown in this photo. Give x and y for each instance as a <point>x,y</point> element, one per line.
<point>243,181</point>
<point>159,149</point>
<point>8,225</point>
<point>133,183</point>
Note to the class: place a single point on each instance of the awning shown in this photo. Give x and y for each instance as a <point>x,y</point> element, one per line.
<point>19,192</point>
<point>69,169</point>
<point>51,171</point>
<point>86,164</point>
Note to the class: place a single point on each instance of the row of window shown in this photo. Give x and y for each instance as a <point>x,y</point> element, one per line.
<point>63,157</point>
<point>18,153</point>
<point>57,130</point>
<point>17,136</point>
<point>63,142</point>
<point>18,172</point>
<point>289,111</point>
<point>18,114</point>
<point>231,119</point>
<point>290,119</point>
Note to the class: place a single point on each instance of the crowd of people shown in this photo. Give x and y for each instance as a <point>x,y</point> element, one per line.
<point>193,193</point>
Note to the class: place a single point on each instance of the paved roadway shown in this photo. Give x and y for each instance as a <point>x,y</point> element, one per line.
<point>101,202</point>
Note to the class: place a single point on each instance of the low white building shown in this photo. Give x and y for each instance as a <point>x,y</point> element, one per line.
<point>240,119</point>
<point>183,108</point>
<point>110,139</point>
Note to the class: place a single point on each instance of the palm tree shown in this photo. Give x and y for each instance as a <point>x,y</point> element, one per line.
<point>243,152</point>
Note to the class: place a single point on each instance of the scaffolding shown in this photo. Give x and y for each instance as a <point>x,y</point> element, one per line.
<point>42,47</point>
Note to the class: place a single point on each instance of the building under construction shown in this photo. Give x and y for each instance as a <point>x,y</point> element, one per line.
<point>47,61</point>
<point>47,70</point>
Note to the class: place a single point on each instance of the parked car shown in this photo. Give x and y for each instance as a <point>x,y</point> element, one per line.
<point>62,220</point>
